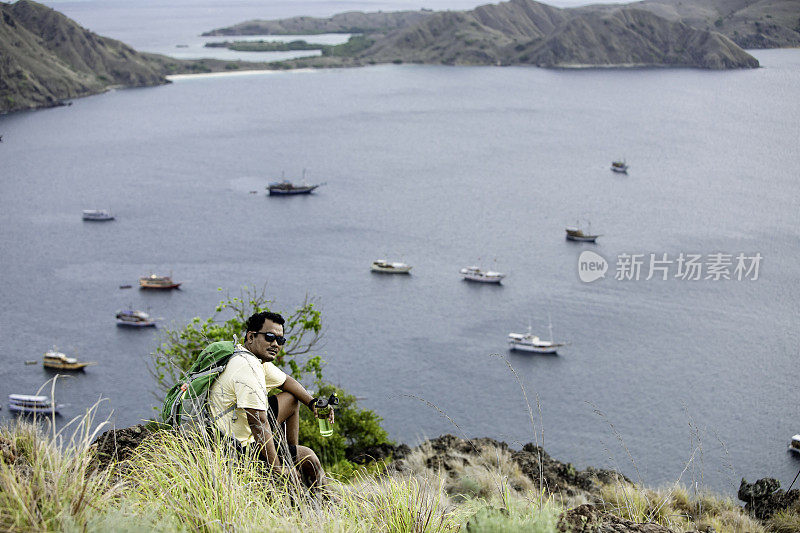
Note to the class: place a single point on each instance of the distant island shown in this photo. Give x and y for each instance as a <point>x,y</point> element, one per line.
<point>653,33</point>
<point>748,23</point>
<point>46,58</point>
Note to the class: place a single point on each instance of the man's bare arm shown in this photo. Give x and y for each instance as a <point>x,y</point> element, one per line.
<point>293,387</point>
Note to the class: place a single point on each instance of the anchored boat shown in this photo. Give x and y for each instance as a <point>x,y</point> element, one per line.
<point>474,273</point>
<point>97,214</point>
<point>28,404</point>
<point>58,361</point>
<point>157,282</point>
<point>794,444</point>
<point>528,342</point>
<point>129,318</point>
<point>620,167</point>
<point>575,233</point>
<point>387,267</point>
<point>286,187</point>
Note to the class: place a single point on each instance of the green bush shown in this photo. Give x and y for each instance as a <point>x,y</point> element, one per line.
<point>354,428</point>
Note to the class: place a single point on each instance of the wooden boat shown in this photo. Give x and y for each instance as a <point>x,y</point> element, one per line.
<point>474,273</point>
<point>794,444</point>
<point>97,215</point>
<point>134,319</point>
<point>58,361</point>
<point>286,187</point>
<point>575,233</point>
<point>157,282</point>
<point>387,267</point>
<point>28,404</point>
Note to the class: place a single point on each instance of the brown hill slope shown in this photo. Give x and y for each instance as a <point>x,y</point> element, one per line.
<point>45,57</point>
<point>634,37</point>
<point>528,32</point>
<point>748,23</point>
<point>349,22</point>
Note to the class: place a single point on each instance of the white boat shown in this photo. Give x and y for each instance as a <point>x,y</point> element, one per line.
<point>619,166</point>
<point>528,342</point>
<point>97,214</point>
<point>794,444</point>
<point>25,403</point>
<point>387,267</point>
<point>59,361</point>
<point>575,233</point>
<point>130,318</point>
<point>474,273</point>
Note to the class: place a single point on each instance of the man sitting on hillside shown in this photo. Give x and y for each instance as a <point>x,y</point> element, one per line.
<point>242,410</point>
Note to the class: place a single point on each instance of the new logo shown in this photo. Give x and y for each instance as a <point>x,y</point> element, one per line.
<point>591,266</point>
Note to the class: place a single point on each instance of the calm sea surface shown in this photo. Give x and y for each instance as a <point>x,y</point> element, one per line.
<point>441,168</point>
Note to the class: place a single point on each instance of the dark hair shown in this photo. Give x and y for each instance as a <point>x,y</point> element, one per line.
<point>256,322</point>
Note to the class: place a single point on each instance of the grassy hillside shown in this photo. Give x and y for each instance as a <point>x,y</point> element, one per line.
<point>45,57</point>
<point>171,482</point>
<point>748,23</point>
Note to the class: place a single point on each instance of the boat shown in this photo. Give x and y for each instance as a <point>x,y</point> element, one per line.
<point>528,342</point>
<point>130,318</point>
<point>474,273</point>
<point>25,403</point>
<point>286,187</point>
<point>619,166</point>
<point>58,361</point>
<point>381,265</point>
<point>97,214</point>
<point>576,233</point>
<point>794,444</point>
<point>157,282</point>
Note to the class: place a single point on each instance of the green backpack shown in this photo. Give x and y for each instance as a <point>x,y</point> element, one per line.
<point>196,383</point>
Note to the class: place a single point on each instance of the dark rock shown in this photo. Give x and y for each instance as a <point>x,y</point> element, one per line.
<point>118,444</point>
<point>379,452</point>
<point>764,497</point>
<point>590,519</point>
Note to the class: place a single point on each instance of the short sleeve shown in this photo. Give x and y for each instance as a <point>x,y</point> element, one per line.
<point>273,376</point>
<point>248,385</point>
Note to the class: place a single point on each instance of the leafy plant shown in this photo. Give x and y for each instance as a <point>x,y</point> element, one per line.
<point>354,428</point>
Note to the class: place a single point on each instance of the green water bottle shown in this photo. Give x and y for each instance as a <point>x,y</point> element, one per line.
<point>323,411</point>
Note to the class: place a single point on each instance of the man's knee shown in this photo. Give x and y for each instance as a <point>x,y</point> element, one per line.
<point>287,406</point>
<point>308,463</point>
<point>307,455</point>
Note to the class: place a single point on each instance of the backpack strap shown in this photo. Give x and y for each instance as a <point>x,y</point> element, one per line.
<point>223,413</point>
<point>232,408</point>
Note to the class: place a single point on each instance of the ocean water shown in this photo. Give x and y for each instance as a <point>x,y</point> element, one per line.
<point>439,167</point>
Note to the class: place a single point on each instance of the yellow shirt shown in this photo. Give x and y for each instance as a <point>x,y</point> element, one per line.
<point>244,383</point>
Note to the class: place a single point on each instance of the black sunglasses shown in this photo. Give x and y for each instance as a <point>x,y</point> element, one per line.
<point>269,337</point>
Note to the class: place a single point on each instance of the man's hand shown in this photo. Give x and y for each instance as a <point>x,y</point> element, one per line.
<point>313,407</point>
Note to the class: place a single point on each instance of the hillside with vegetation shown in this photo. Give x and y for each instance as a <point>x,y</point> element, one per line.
<point>45,58</point>
<point>748,23</point>
<point>525,32</point>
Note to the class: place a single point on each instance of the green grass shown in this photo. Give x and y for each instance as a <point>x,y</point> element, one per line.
<point>186,483</point>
